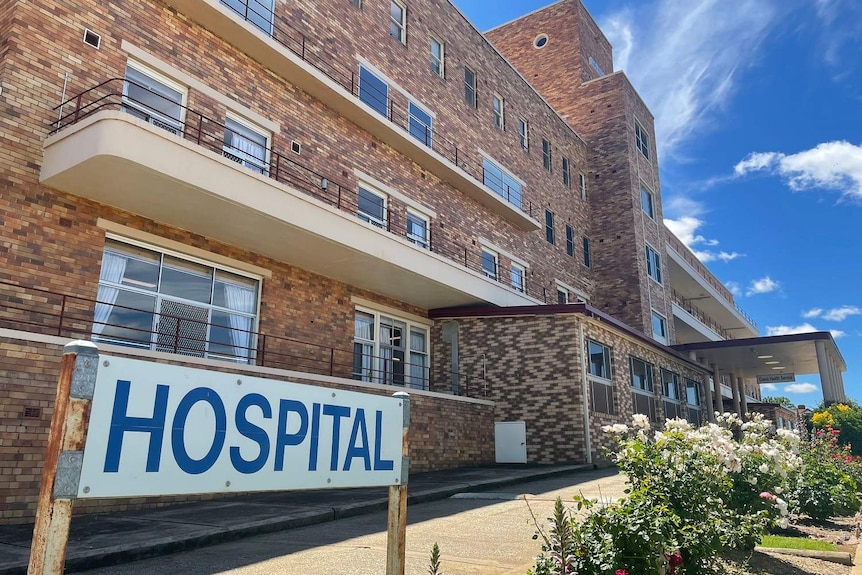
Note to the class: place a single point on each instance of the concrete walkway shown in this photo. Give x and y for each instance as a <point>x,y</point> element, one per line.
<point>108,539</point>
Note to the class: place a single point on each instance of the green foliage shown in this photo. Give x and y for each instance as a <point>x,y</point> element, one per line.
<point>846,418</point>
<point>780,400</point>
<point>796,543</point>
<point>824,485</point>
<point>434,561</point>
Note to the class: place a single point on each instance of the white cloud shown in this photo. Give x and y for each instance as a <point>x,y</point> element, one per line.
<point>684,56</point>
<point>763,285</point>
<point>685,228</point>
<point>840,22</point>
<point>802,388</point>
<point>841,313</point>
<point>812,313</point>
<point>833,165</point>
<point>768,387</point>
<point>802,328</point>
<point>836,333</point>
<point>734,288</point>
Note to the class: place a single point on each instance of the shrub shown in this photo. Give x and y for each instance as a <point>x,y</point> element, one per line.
<point>824,485</point>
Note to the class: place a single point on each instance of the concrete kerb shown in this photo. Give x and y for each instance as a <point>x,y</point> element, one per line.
<point>126,553</point>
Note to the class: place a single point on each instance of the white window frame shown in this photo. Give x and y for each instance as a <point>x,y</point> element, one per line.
<point>524,134</point>
<point>402,25</point>
<point>523,274</point>
<point>582,185</point>
<point>565,293</point>
<point>654,263</point>
<point>499,112</point>
<point>379,77</point>
<point>411,117</point>
<point>647,192</point>
<point>377,372</point>
<point>368,218</point>
<point>642,140</point>
<point>267,136</point>
<point>438,61</point>
<point>162,79</point>
<point>425,242</point>
<point>661,338</point>
<point>496,257</point>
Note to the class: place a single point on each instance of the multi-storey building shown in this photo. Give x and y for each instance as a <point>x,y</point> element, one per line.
<point>359,194</point>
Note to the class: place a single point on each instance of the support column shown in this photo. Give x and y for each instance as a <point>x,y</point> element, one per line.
<point>743,401</point>
<point>716,390</point>
<point>841,391</point>
<point>734,392</point>
<point>826,384</point>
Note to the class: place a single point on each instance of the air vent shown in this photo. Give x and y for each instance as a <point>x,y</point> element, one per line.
<point>32,412</point>
<point>92,39</point>
<point>296,147</point>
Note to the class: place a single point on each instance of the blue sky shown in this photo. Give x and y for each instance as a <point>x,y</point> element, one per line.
<point>758,107</point>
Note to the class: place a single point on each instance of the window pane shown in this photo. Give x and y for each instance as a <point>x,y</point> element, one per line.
<point>153,97</point>
<point>130,266</point>
<point>230,336</point>
<point>518,278</point>
<point>373,91</point>
<point>128,320</point>
<point>470,86</point>
<point>363,326</point>
<point>235,292</point>
<point>244,145</point>
<point>187,280</point>
<point>489,264</point>
<point>417,230</point>
<point>600,360</point>
<point>372,208</point>
<point>420,124</point>
<point>641,375</point>
<point>500,182</point>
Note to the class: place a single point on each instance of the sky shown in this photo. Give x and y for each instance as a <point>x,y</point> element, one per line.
<point>758,107</point>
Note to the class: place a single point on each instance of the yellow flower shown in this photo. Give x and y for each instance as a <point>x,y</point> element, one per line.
<point>842,407</point>
<point>822,419</point>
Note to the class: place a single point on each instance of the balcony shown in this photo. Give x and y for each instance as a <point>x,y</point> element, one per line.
<point>256,31</point>
<point>185,175</point>
<point>44,312</point>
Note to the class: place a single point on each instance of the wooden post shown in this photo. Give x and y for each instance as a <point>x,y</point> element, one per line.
<point>396,536</point>
<point>63,458</point>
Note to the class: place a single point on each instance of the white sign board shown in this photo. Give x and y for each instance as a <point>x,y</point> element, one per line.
<point>776,378</point>
<point>159,429</point>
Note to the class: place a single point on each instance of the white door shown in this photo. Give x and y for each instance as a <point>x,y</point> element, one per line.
<point>510,441</point>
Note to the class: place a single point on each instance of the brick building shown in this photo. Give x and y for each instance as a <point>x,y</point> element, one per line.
<point>362,194</point>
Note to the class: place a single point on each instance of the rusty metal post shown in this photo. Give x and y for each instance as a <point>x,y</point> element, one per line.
<point>63,458</point>
<point>396,536</point>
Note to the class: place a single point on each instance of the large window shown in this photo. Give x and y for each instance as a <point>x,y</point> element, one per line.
<point>373,91</point>
<point>659,328</point>
<point>398,21</point>
<point>389,350</point>
<point>154,98</point>
<point>470,87</point>
<point>641,140</point>
<point>643,400</point>
<point>372,207</point>
<point>158,300</point>
<point>438,49</point>
<point>653,261</point>
<point>246,145</point>
<point>601,386</point>
<point>258,12</point>
<point>420,124</point>
<point>501,182</point>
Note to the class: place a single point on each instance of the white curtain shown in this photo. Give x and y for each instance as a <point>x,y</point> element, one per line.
<point>113,268</point>
<point>418,360</point>
<point>252,149</point>
<point>240,298</point>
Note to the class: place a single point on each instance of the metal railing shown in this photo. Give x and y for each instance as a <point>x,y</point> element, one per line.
<point>210,133</point>
<point>312,52</point>
<point>700,315</point>
<point>46,312</point>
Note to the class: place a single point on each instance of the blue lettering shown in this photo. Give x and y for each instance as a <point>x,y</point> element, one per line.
<point>251,431</point>
<point>359,429</point>
<point>337,412</point>
<point>380,464</point>
<point>283,439</point>
<point>181,456</point>
<point>121,423</point>
<point>315,436</point>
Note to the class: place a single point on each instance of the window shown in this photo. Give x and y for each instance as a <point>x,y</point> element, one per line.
<point>420,124</point>
<point>418,229</point>
<point>582,185</point>
<point>642,140</point>
<point>258,12</point>
<point>670,392</point>
<point>646,201</point>
<point>153,98</point>
<point>389,350</point>
<point>562,295</point>
<point>398,21</point>
<point>489,263</point>
<point>692,400</point>
<point>518,277</point>
<point>549,226</point>
<point>595,66</point>
<point>524,133</point>
<point>653,261</point>
<point>659,328</point>
<point>499,119</point>
<point>567,179</point>
<point>546,154</point>
<point>437,54</point>
<point>588,259</point>
<point>570,240</point>
<point>372,207</point>
<point>601,388</point>
<point>470,87</point>
<point>357,3</point>
<point>373,91</point>
<point>501,182</point>
<point>153,299</point>
<point>642,388</point>
<point>246,145</point>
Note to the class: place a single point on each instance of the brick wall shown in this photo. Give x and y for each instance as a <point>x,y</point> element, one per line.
<point>446,432</point>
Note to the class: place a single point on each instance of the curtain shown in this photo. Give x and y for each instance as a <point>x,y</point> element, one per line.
<point>113,268</point>
<point>240,298</point>
<point>252,149</point>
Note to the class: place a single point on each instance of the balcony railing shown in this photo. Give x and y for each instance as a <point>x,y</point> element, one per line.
<point>314,53</point>
<point>706,275</point>
<point>210,134</point>
<point>699,315</point>
<point>50,313</point>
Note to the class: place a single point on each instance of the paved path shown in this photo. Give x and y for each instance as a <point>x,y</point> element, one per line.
<point>479,533</point>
